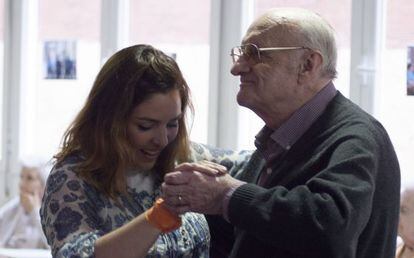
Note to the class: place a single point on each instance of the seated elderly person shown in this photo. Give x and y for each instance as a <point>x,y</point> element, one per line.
<point>406,224</point>
<point>19,218</point>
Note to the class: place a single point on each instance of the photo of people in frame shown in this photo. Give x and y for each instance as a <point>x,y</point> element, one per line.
<point>60,59</point>
<point>410,71</point>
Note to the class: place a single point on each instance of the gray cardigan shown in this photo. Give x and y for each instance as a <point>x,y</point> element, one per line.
<point>335,193</point>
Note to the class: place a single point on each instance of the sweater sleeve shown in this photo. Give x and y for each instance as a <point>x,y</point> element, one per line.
<point>231,159</point>
<point>326,203</point>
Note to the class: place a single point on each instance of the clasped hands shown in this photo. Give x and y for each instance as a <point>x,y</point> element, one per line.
<point>198,187</point>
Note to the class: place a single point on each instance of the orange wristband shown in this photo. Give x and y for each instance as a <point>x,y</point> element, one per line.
<point>161,218</point>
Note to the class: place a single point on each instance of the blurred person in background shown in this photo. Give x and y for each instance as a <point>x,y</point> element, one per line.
<point>20,225</point>
<point>406,224</point>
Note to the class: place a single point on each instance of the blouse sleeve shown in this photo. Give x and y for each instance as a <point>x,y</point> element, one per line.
<point>232,160</point>
<point>69,214</point>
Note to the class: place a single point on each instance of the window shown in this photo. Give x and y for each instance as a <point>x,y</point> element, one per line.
<point>70,29</point>
<point>2,174</point>
<point>1,73</point>
<point>181,30</point>
<point>394,108</point>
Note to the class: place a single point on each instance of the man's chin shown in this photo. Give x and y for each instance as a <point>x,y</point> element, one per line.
<point>246,104</point>
<point>243,100</point>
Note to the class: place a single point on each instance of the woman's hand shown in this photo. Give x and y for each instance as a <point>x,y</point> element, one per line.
<point>204,166</point>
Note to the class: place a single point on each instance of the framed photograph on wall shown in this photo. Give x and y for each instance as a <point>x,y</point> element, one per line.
<point>60,59</point>
<point>410,70</point>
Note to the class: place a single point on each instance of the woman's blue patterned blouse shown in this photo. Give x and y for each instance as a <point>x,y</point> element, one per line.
<point>74,214</point>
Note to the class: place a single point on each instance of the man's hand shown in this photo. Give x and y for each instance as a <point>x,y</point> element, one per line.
<point>196,191</point>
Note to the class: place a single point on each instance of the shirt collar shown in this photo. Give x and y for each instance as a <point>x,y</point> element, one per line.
<point>291,130</point>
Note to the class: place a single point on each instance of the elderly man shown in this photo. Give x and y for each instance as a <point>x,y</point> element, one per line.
<point>324,180</point>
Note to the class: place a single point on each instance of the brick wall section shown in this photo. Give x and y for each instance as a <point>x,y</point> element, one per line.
<point>337,13</point>
<point>400,29</point>
<point>70,19</point>
<point>170,21</point>
<point>187,21</point>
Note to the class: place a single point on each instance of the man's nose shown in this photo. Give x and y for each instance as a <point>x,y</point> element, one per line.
<point>240,66</point>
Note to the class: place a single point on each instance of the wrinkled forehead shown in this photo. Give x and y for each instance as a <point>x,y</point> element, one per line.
<point>264,32</point>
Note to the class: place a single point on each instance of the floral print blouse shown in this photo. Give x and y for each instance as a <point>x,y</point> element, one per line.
<point>74,214</point>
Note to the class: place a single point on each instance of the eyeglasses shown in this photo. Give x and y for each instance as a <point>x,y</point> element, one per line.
<point>252,52</point>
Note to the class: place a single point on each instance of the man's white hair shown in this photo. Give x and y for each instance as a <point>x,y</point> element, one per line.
<point>307,27</point>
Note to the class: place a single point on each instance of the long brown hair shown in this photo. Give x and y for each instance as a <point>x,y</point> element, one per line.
<point>99,132</point>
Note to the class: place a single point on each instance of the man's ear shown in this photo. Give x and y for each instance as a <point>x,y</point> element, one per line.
<point>311,65</point>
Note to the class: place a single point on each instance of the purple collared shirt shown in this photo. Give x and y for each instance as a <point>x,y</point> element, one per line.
<point>271,143</point>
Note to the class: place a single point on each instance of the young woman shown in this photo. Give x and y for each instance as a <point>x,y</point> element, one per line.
<point>100,195</point>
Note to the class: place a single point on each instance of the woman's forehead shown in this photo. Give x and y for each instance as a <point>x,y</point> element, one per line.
<point>160,106</point>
